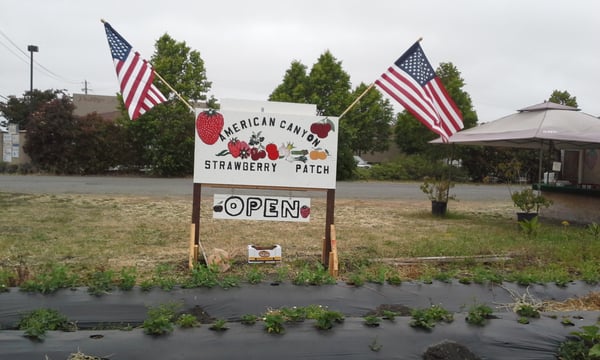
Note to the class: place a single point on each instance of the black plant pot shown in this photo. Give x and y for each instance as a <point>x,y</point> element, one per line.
<point>526,216</point>
<point>438,208</point>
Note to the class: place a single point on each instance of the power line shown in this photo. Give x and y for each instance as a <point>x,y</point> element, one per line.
<point>25,59</point>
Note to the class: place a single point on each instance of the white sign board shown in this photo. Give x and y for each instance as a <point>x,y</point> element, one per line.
<point>240,147</point>
<point>273,208</point>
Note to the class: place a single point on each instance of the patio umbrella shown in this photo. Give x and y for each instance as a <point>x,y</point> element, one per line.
<point>536,127</point>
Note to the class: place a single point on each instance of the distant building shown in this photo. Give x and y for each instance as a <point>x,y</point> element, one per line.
<point>105,106</point>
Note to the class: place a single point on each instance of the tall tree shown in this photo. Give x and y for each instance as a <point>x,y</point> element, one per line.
<point>294,87</point>
<point>163,138</point>
<point>369,122</point>
<point>412,137</point>
<point>329,85</point>
<point>18,110</point>
<point>563,98</point>
<point>59,142</point>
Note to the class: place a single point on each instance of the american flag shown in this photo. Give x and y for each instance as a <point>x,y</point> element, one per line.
<point>135,76</point>
<point>413,83</point>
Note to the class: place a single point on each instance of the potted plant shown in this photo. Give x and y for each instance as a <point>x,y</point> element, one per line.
<point>438,191</point>
<point>527,201</point>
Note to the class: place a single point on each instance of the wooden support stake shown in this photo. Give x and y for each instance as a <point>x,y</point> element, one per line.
<point>193,258</point>
<point>333,255</point>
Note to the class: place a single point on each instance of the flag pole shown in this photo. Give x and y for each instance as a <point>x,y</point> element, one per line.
<point>173,90</point>
<point>357,100</point>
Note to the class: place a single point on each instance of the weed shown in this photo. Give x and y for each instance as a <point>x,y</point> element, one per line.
<point>594,230</point>
<point>37,322</point>
<point>146,285</point>
<point>219,325</point>
<point>254,276</point>
<point>483,275</point>
<point>187,321</point>
<point>46,283</point>
<point>282,274</point>
<point>394,279</point>
<point>127,279</point>
<point>429,317</point>
<point>274,322</point>
<point>379,276</point>
<point>160,319</point>
<point>372,320</point>
<point>101,282</point>
<point>530,227</point>
<point>356,278</point>
<point>479,314</point>
<point>443,276</point>
<point>249,319</point>
<point>5,279</point>
<point>229,281</point>
<point>375,345</point>
<point>317,276</point>
<point>202,276</point>
<point>163,277</point>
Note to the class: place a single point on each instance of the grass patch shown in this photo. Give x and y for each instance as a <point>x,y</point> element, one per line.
<point>149,237</point>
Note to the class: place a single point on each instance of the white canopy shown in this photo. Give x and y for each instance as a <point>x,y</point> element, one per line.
<point>534,127</point>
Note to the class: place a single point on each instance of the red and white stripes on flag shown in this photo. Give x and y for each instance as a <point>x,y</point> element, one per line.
<point>412,82</point>
<point>135,76</point>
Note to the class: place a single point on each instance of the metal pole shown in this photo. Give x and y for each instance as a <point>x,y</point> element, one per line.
<point>31,49</point>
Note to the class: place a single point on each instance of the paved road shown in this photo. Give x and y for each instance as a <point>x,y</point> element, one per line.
<point>144,186</point>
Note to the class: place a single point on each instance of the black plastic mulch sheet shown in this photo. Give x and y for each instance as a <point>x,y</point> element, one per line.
<point>500,338</point>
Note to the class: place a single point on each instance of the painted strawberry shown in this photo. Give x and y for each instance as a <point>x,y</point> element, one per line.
<point>235,147</point>
<point>304,211</point>
<point>322,128</point>
<point>209,125</point>
<point>272,151</point>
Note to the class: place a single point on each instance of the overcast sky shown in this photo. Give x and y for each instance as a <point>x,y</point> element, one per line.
<point>511,53</point>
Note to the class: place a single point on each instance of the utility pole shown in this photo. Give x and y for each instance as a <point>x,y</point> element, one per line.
<point>85,87</point>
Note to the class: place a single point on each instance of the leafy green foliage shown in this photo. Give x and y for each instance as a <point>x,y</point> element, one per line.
<point>37,322</point>
<point>49,282</point>
<point>254,276</point>
<point>479,314</point>
<point>59,142</point>
<point>530,227</point>
<point>187,321</point>
<point>101,282</point>
<point>219,325</point>
<point>326,319</point>
<point>127,278</point>
<point>587,346</point>
<point>274,321</point>
<point>202,276</point>
<point>563,98</point>
<point>160,319</point>
<point>18,110</point>
<point>313,276</point>
<point>527,310</point>
<point>249,319</point>
<point>429,317</point>
<point>372,320</point>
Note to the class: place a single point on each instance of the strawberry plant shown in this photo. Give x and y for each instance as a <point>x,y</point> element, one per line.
<point>187,321</point>
<point>37,322</point>
<point>479,314</point>
<point>429,317</point>
<point>160,319</point>
<point>249,319</point>
<point>372,320</point>
<point>274,322</point>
